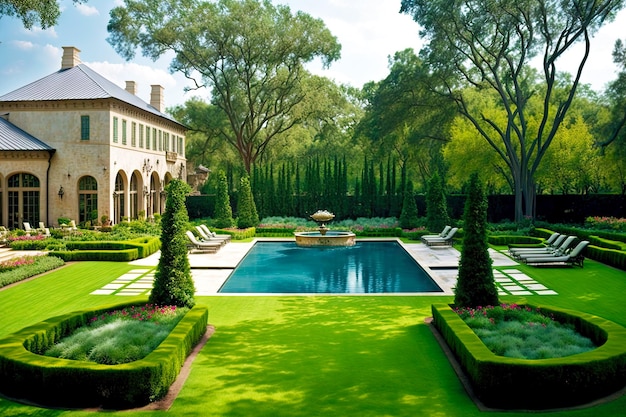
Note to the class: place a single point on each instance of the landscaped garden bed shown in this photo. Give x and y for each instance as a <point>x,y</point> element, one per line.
<point>71,383</point>
<point>514,383</point>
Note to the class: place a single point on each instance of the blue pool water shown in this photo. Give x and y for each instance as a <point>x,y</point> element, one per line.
<point>367,267</point>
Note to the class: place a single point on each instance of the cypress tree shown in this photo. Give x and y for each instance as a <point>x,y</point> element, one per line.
<point>436,205</point>
<point>408,217</point>
<point>475,285</point>
<point>173,284</point>
<point>247,215</point>
<point>223,212</point>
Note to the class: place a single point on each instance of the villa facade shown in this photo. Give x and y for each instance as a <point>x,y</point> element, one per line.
<point>75,145</point>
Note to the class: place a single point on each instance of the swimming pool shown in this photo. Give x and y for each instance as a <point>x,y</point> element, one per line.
<point>365,268</point>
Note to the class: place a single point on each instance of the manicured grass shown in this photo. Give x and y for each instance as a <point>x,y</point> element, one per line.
<point>315,355</point>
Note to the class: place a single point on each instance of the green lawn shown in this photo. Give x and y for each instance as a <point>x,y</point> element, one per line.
<point>315,355</point>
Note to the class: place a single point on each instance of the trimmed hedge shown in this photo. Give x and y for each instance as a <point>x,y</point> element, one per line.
<point>612,257</point>
<point>381,232</point>
<point>145,246</point>
<point>58,382</point>
<point>511,383</point>
<point>97,255</point>
<point>275,231</point>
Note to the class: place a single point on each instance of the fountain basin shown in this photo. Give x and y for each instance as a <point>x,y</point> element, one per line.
<point>328,238</point>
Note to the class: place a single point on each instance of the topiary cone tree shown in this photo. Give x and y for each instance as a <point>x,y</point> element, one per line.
<point>475,285</point>
<point>408,216</point>
<point>173,284</point>
<point>436,205</point>
<point>223,212</point>
<point>247,215</point>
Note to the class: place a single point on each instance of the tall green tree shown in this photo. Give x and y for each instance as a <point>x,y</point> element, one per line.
<point>489,45</point>
<point>223,212</point>
<point>43,13</point>
<point>173,284</point>
<point>475,284</point>
<point>408,216</point>
<point>250,53</point>
<point>247,215</point>
<point>436,204</point>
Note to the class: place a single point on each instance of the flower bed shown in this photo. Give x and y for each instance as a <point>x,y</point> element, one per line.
<point>524,332</point>
<point>513,383</point>
<point>77,384</point>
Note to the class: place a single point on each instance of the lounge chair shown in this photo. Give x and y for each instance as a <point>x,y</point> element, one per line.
<point>556,242</point>
<point>204,237</point>
<point>561,250</point>
<point>575,257</point>
<point>442,241</point>
<point>213,234</point>
<point>201,246</point>
<point>443,233</point>
<point>29,229</point>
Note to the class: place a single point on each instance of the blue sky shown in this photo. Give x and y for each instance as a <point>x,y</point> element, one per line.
<point>369,31</point>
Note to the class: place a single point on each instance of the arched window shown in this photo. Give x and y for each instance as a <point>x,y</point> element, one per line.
<point>87,200</point>
<point>118,199</point>
<point>133,196</point>
<point>23,200</point>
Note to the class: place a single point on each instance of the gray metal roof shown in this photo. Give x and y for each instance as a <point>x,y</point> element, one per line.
<point>78,83</point>
<point>12,138</point>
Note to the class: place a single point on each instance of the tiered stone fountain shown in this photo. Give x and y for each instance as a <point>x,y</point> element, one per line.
<point>324,236</point>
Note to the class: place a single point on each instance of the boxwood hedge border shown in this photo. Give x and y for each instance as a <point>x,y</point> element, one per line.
<point>31,377</point>
<point>511,383</point>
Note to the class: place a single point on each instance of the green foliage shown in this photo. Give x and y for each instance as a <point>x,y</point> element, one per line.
<point>436,206</point>
<point>223,213</point>
<point>173,284</point>
<point>80,384</point>
<point>533,384</point>
<point>523,332</point>
<point>119,336</point>
<point>475,284</point>
<point>217,40</point>
<point>408,216</point>
<point>246,209</point>
<point>40,265</point>
<point>121,255</point>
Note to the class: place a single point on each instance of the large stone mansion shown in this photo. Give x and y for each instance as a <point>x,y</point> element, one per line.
<point>74,144</point>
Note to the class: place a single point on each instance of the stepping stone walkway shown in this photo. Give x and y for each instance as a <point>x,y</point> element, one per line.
<point>134,282</point>
<point>515,282</point>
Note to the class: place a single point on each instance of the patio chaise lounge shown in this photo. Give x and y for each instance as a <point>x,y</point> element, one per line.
<point>201,246</point>
<point>551,245</point>
<point>442,241</point>
<point>561,250</point>
<point>215,235</point>
<point>204,237</point>
<point>443,233</point>
<point>575,257</point>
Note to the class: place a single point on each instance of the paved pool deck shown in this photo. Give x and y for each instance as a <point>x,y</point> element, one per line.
<point>210,270</point>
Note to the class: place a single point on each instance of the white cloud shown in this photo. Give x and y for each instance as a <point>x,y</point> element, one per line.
<point>23,45</point>
<point>38,31</point>
<point>86,10</point>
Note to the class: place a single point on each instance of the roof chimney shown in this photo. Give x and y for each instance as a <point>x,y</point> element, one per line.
<point>131,87</point>
<point>70,57</point>
<point>156,97</point>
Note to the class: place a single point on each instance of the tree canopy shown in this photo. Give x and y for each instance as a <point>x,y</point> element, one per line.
<point>250,54</point>
<point>44,13</point>
<point>490,46</point>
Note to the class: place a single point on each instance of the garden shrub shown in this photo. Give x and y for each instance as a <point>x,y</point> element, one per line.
<point>223,212</point>
<point>247,215</point>
<point>408,216</point>
<point>436,205</point>
<point>505,240</point>
<point>475,284</point>
<point>68,383</point>
<point>512,383</point>
<point>125,255</point>
<point>173,284</point>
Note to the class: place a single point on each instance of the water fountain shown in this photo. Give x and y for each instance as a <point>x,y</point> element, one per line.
<point>323,236</point>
